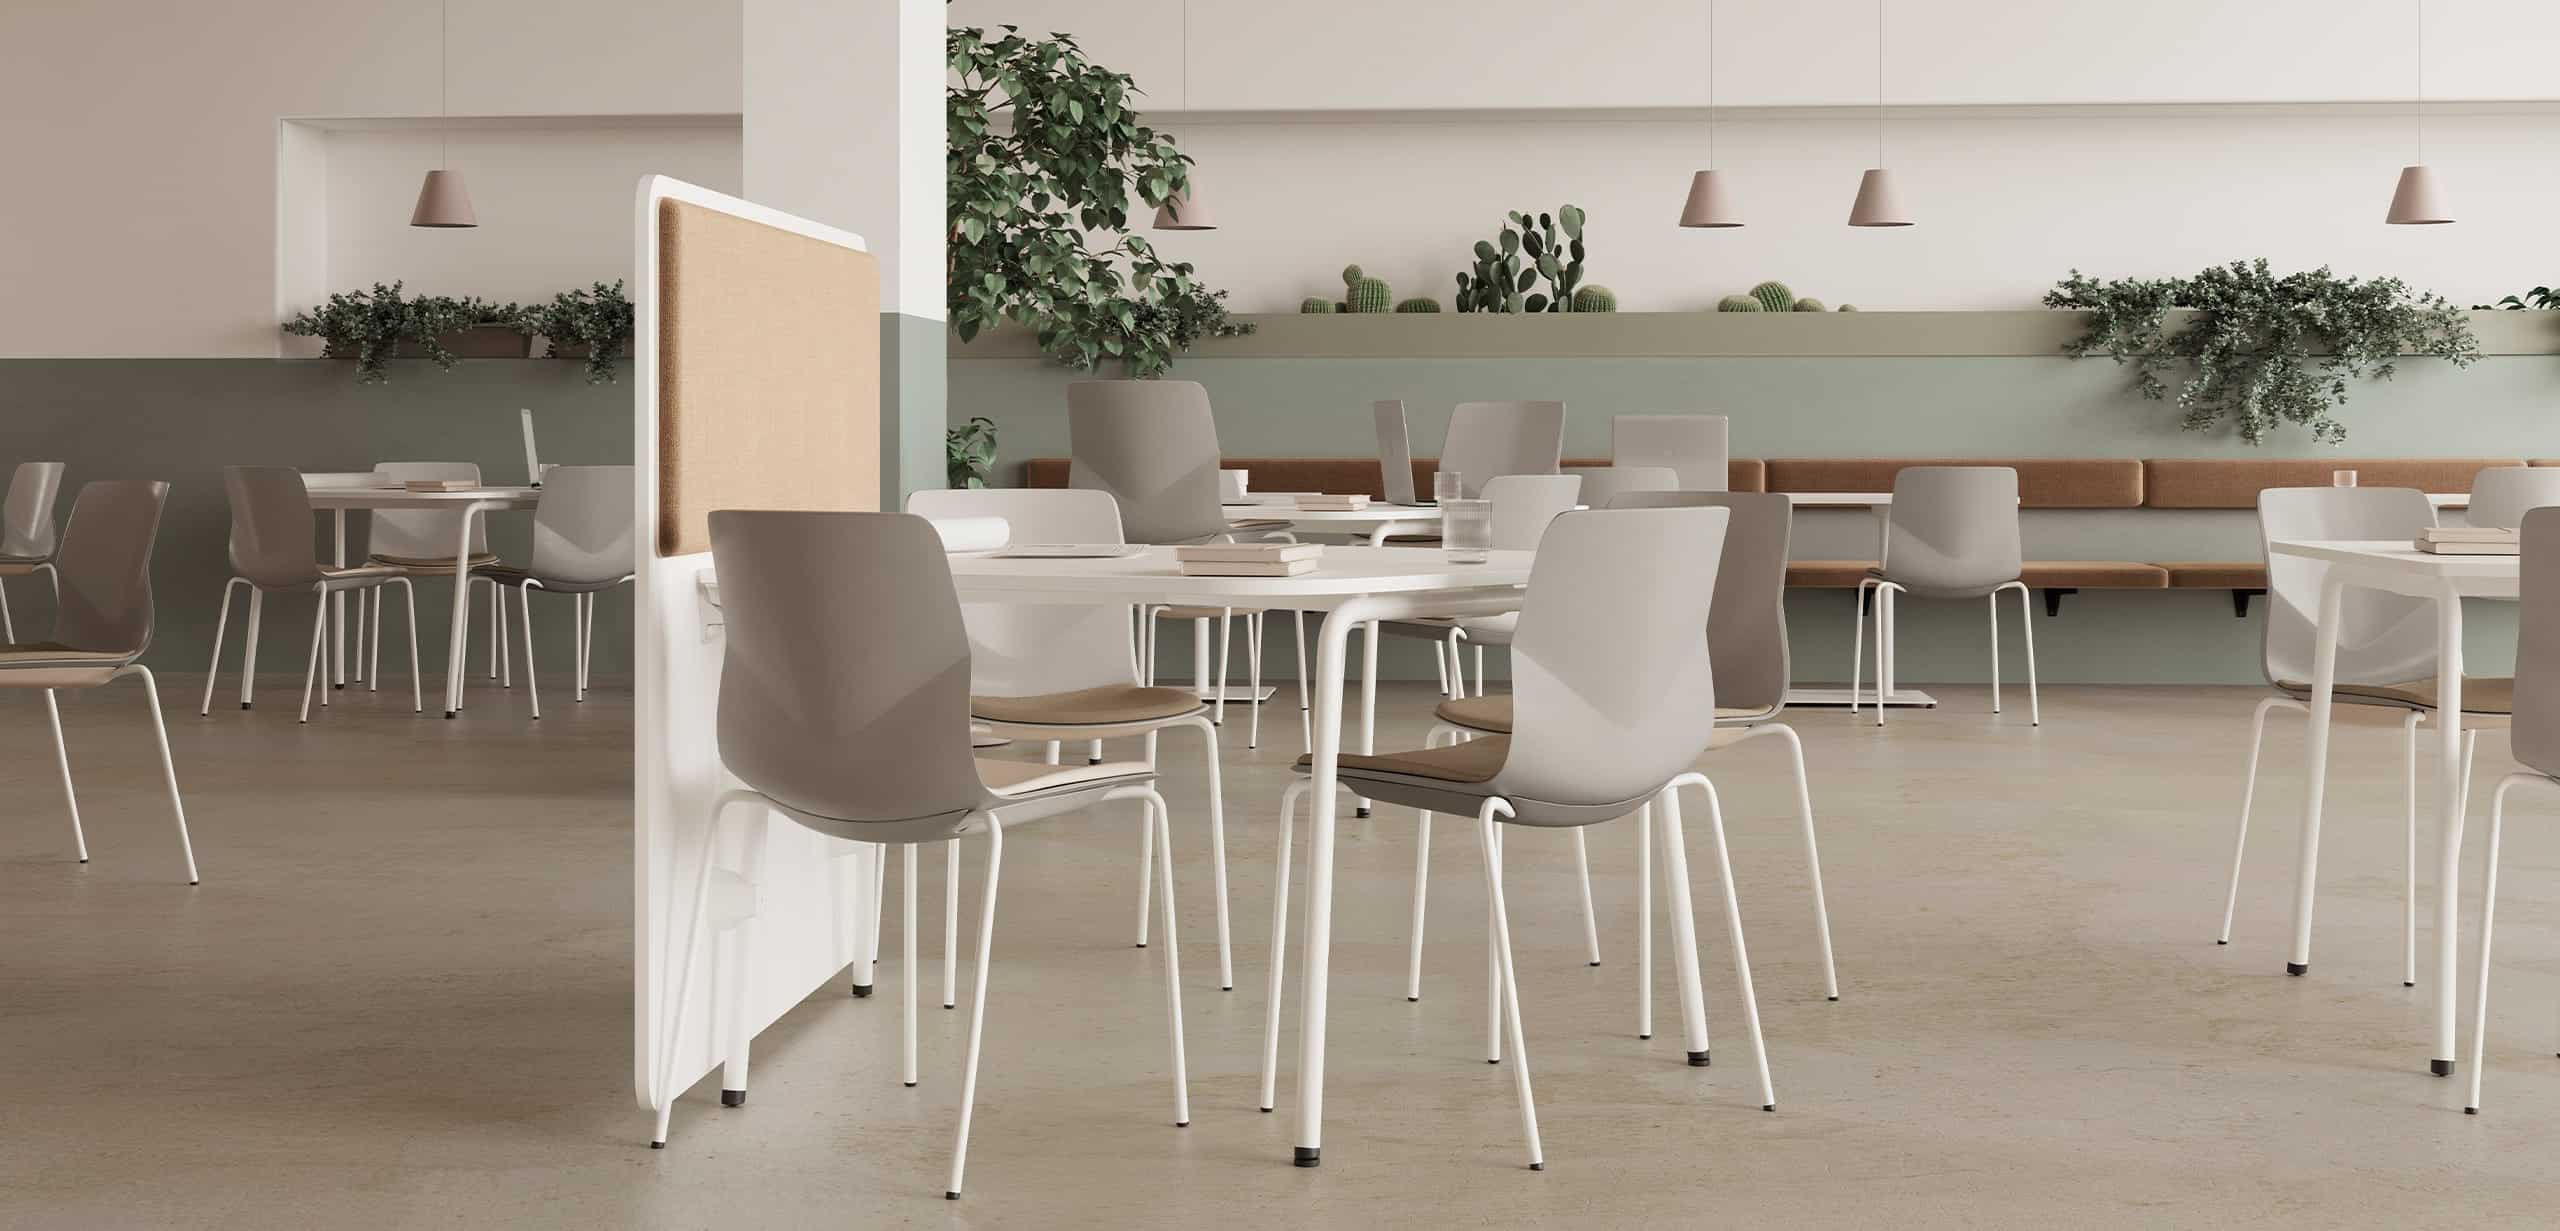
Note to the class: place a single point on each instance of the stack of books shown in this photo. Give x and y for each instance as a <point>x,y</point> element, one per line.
<point>440,485</point>
<point>1320,503</point>
<point>1248,559</point>
<point>2468,541</point>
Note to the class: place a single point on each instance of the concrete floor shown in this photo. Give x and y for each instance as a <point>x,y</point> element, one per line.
<point>401,998</point>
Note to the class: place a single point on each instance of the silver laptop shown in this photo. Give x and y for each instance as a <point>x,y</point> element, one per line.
<point>1395,454</point>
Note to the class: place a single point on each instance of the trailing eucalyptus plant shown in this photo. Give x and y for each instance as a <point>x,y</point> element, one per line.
<point>599,319</point>
<point>2264,350</point>
<point>969,452</point>
<point>1043,150</point>
<point>370,326</point>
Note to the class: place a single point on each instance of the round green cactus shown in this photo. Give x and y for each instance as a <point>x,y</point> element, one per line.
<point>1363,293</point>
<point>1419,303</point>
<point>1737,303</point>
<point>1774,297</point>
<point>1810,305</point>
<point>1316,305</point>
<point>1848,307</point>
<point>1595,298</point>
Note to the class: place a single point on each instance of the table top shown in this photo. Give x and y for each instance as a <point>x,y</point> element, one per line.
<point>1375,514</point>
<point>2395,555</point>
<point>1340,573</point>
<point>402,498</point>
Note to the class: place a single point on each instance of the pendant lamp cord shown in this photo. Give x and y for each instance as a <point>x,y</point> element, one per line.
<point>2418,108</point>
<point>1879,83</point>
<point>1711,84</point>
<point>444,38</point>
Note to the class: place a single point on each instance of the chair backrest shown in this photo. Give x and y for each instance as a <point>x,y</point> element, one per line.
<point>105,565</point>
<point>26,520</point>
<point>1025,649</point>
<point>1694,446</point>
<point>1395,452</point>
<point>1490,439</point>
<point>422,534</point>
<point>2536,734</point>
<point>1603,484</point>
<point>2500,495</point>
<point>2382,638</point>
<point>844,689</point>
<point>1613,688</point>
<point>1524,505</point>
<point>1152,444</point>
<point>582,525</point>
<point>271,526</point>
<point>1954,528</point>
<point>1748,628</point>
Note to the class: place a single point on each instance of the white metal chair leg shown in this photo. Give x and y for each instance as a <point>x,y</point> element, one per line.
<point>586,646</point>
<point>168,771</point>
<point>977,1006</point>
<point>1858,642</point>
<point>908,973</point>
<point>1093,753</point>
<point>1146,879</point>
<point>1306,713</point>
<point>1253,671</point>
<point>1200,673</point>
<point>2409,864</point>
<point>2488,927</point>
<point>249,645</point>
<point>221,623</point>
<point>2248,794</point>
<point>1479,669</point>
<point>1368,697</point>
<point>1812,860</point>
<point>524,626</point>
<point>311,670</point>
<point>1885,645</point>
<point>1279,940</point>
<point>1158,816</point>
<point>373,641</point>
<point>950,923</point>
<point>1733,922</point>
<point>1422,876</point>
<point>1217,852</point>
<point>1440,660</point>
<point>356,669</point>
<point>2027,623</point>
<point>1488,841</point>
<point>1492,966</point>
<point>417,682</point>
<point>1993,599</point>
<point>9,627</point>
<point>62,761</point>
<point>1644,922</point>
<point>1684,926</point>
<point>1590,917</point>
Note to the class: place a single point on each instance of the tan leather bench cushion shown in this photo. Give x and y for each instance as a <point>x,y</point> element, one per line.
<point>2234,482</point>
<point>2216,575</point>
<point>2043,482</point>
<point>2039,574</point>
<point>1359,475</point>
<point>1826,574</point>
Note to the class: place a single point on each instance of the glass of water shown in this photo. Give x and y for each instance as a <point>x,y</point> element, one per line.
<point>1446,485</point>
<point>1466,530</point>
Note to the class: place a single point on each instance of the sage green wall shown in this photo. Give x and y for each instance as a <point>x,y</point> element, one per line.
<point>182,420</point>
<point>2014,405</point>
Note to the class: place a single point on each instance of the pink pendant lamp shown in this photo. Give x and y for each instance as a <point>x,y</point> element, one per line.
<point>442,201</point>
<point>1709,204</point>
<point>2415,200</point>
<point>1182,210</point>
<point>1878,205</point>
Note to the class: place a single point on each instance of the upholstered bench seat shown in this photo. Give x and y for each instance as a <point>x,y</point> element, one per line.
<point>2216,575</point>
<point>2039,574</point>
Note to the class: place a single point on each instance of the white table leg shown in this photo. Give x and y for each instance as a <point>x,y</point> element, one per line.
<point>338,607</point>
<point>1332,648</point>
<point>2324,678</point>
<point>2450,778</point>
<point>461,611</point>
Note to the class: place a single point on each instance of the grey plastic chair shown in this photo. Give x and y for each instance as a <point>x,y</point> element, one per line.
<point>1603,484</point>
<point>1694,446</point>
<point>2501,495</point>
<point>1487,440</point>
<point>1395,452</point>
<point>421,542</point>
<point>2386,662</point>
<point>1524,505</point>
<point>27,538</point>
<point>582,546</point>
<point>102,624</point>
<point>1952,533</point>
<point>271,553</point>
<point>1747,638</point>
<point>2535,736</point>
<point>1061,674</point>
<point>844,706</point>
<point>1616,700</point>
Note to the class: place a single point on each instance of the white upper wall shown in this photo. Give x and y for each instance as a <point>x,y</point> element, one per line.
<point>141,136</point>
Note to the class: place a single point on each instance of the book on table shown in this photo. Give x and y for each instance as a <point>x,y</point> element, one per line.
<point>440,485</point>
<point>1332,504</point>
<point>2460,547</point>
<point>1252,553</point>
<point>1248,568</point>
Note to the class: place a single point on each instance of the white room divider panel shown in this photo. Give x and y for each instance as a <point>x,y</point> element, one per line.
<point>756,386</point>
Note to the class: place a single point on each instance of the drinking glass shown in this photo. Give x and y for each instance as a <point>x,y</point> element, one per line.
<point>1466,530</point>
<point>2342,478</point>
<point>1446,485</point>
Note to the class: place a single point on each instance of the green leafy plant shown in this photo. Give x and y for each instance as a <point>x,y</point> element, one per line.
<point>2540,299</point>
<point>969,452</point>
<point>593,324</point>
<point>1188,315</point>
<point>1043,149</point>
<point>1419,303</point>
<point>1551,245</point>
<point>370,326</point>
<point>2264,350</point>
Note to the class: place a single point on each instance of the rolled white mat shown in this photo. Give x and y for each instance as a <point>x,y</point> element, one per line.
<point>972,533</point>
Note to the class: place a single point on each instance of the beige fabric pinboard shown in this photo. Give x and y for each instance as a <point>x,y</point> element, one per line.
<point>768,373</point>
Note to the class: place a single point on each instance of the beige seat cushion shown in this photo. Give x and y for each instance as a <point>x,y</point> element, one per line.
<point>357,572</point>
<point>1015,779</point>
<point>19,568</point>
<point>51,664</point>
<point>1494,714</point>
<point>1111,705</point>
<point>30,653</point>
<point>430,564</point>
<point>2481,694</point>
<point>2216,574</point>
<point>1473,761</point>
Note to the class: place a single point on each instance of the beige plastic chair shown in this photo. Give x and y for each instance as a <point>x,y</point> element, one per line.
<point>1952,533</point>
<point>1604,484</point>
<point>844,706</point>
<point>101,626</point>
<point>271,553</point>
<point>2386,661</point>
<point>1524,505</point>
<point>1064,674</point>
<point>1616,700</point>
<point>1747,637</point>
<point>1694,446</point>
<point>1487,440</point>
<point>420,542</point>
<point>582,546</point>
<point>2501,495</point>
<point>2535,736</point>
<point>27,538</point>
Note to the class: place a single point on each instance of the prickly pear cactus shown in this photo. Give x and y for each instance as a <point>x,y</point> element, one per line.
<point>1774,297</point>
<point>1419,303</point>
<point>1810,305</point>
<point>1362,293</point>
<point>1595,298</point>
<point>1737,303</point>
<point>1315,305</point>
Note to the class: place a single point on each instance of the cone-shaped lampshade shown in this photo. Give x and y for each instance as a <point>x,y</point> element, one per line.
<point>1877,204</point>
<point>1183,212</point>
<point>1709,204</point>
<point>443,203</point>
<point>2415,202</point>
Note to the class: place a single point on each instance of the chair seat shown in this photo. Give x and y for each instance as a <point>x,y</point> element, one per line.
<point>1023,779</point>
<point>18,566</point>
<point>516,575</point>
<point>433,564</point>
<point>1474,761</point>
<point>51,664</point>
<point>1111,705</point>
<point>2481,694</point>
<point>1494,714</point>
